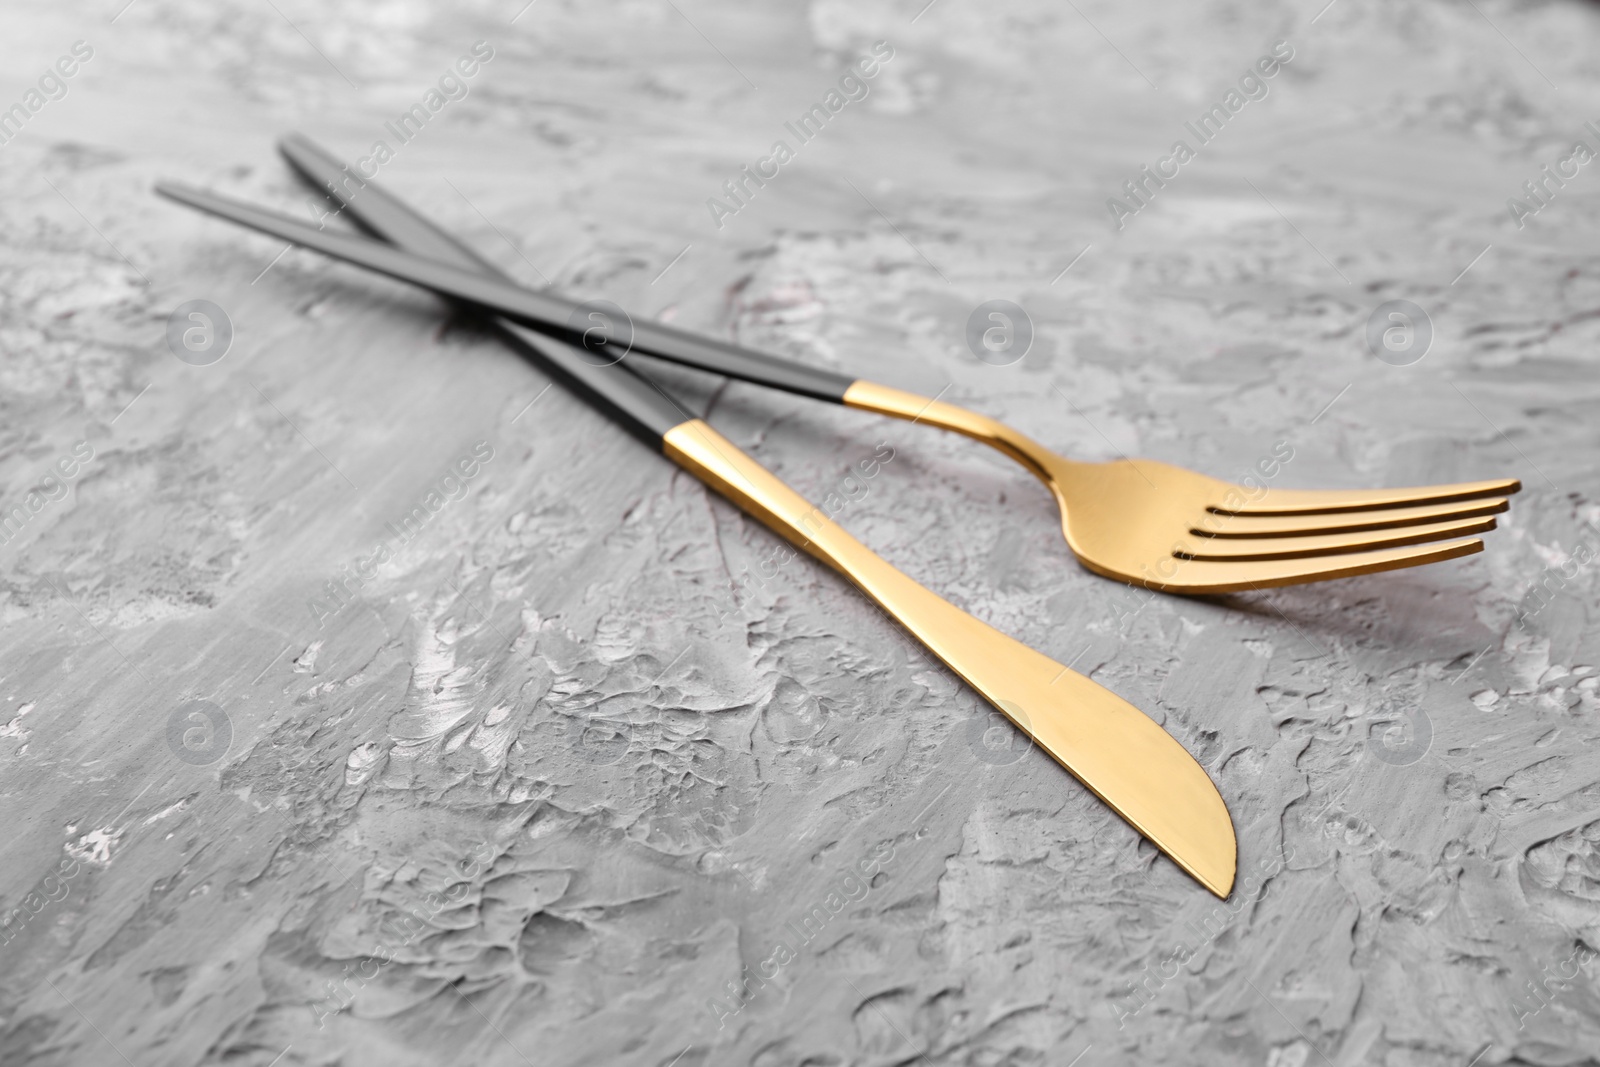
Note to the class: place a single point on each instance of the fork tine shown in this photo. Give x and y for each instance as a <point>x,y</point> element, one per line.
<point>1213,576</point>
<point>1303,501</point>
<point>1250,548</point>
<point>1232,526</point>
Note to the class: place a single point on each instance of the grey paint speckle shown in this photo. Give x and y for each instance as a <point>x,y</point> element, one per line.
<point>562,770</point>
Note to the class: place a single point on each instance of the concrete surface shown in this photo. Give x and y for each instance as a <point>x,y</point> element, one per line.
<point>545,790</point>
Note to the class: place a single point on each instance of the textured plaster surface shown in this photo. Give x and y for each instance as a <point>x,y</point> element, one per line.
<point>541,792</point>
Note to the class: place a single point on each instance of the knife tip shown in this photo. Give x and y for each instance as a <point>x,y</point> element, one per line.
<point>1214,866</point>
<point>1216,873</point>
<point>1222,890</point>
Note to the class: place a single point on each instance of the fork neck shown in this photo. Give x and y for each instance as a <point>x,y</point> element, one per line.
<point>887,400</point>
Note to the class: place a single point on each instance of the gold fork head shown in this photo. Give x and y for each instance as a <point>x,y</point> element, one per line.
<point>1167,528</point>
<point>1176,531</point>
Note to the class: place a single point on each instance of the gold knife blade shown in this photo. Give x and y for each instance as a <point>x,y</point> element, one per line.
<point>1109,745</point>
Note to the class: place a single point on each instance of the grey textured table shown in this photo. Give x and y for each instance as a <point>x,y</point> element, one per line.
<point>539,788</point>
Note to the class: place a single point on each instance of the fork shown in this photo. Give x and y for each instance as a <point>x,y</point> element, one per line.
<point>1139,521</point>
<point>1168,528</point>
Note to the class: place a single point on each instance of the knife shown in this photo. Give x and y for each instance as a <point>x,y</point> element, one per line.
<point>1118,752</point>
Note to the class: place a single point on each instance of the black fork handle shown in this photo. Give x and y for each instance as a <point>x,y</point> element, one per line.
<point>544,311</point>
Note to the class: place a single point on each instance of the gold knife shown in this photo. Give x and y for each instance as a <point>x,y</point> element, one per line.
<point>1108,744</point>
<point>1123,756</point>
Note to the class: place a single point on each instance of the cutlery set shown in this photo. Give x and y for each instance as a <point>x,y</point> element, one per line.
<point>1138,521</point>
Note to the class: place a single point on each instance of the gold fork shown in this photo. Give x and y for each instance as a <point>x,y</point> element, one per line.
<point>1171,529</point>
<point>1136,520</point>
